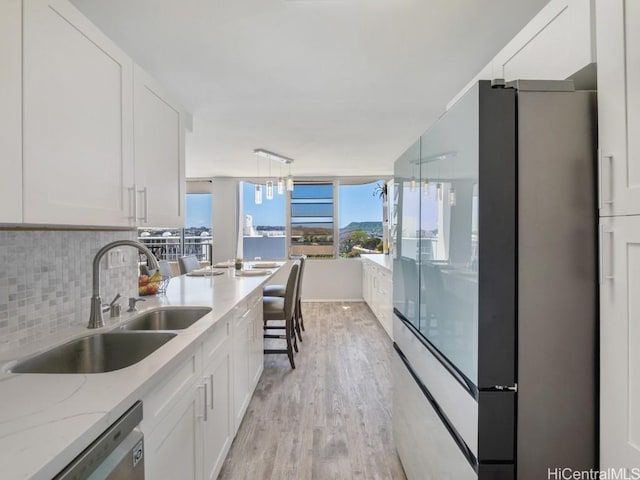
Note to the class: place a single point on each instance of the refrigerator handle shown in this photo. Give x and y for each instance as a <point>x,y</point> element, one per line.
<point>601,182</point>
<point>603,250</point>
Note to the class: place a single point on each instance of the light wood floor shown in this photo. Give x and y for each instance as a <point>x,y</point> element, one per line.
<point>330,418</point>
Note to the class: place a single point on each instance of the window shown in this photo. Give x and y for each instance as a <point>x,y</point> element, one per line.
<point>263,225</point>
<point>194,239</point>
<point>360,215</point>
<point>312,220</point>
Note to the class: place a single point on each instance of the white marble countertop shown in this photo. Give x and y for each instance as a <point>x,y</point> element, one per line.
<point>379,259</point>
<point>46,420</point>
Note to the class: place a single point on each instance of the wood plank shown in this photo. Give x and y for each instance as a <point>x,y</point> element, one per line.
<point>330,418</point>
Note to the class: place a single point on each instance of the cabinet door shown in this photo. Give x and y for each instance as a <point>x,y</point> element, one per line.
<point>619,347</point>
<point>241,347</point>
<point>385,309</point>
<point>77,120</point>
<point>218,427</point>
<point>159,154</point>
<point>557,43</point>
<point>256,364</point>
<point>173,449</point>
<point>11,119</point>
<point>618,48</point>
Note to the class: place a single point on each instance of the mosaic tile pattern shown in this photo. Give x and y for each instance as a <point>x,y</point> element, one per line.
<point>45,281</point>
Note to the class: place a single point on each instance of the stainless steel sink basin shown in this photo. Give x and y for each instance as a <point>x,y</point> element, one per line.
<point>99,353</point>
<point>167,319</point>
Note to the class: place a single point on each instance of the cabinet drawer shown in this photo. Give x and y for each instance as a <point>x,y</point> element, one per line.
<point>170,389</point>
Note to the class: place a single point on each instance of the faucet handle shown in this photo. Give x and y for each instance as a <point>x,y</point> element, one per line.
<point>132,303</point>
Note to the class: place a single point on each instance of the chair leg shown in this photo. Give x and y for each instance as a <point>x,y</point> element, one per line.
<point>289,349</point>
<point>296,325</point>
<point>300,314</point>
<point>294,340</point>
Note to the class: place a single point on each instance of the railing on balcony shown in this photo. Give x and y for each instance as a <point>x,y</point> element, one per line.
<point>171,248</point>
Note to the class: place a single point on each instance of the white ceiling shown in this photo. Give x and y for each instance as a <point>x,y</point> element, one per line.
<point>341,86</point>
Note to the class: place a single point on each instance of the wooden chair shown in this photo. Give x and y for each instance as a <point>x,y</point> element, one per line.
<point>279,291</point>
<point>282,309</point>
<point>188,264</point>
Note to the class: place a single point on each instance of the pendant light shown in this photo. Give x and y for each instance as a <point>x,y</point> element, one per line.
<point>269,184</point>
<point>413,182</point>
<point>280,182</point>
<point>426,188</point>
<point>290,180</point>
<point>257,193</point>
<point>452,197</point>
<point>439,190</point>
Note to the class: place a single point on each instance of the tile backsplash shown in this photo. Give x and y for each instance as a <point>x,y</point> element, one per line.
<point>46,279</point>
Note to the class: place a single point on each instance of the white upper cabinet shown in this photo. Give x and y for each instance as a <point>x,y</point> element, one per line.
<point>77,120</point>
<point>556,44</point>
<point>159,154</point>
<point>618,25</point>
<point>11,118</point>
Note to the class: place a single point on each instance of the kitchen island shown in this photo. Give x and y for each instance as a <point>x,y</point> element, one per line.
<point>46,420</point>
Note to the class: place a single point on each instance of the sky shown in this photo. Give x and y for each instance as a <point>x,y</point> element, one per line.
<point>199,210</point>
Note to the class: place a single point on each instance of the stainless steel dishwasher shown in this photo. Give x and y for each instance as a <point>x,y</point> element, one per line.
<point>117,454</point>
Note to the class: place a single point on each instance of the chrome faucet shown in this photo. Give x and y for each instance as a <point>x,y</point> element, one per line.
<point>95,317</point>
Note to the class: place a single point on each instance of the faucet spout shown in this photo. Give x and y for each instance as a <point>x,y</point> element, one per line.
<point>95,317</point>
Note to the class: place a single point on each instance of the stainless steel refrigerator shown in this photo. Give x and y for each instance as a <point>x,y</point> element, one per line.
<point>495,291</point>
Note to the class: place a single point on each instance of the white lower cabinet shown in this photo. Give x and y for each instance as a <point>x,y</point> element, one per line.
<point>217,430</point>
<point>377,290</point>
<point>173,449</point>
<point>256,355</point>
<point>172,424</point>
<point>247,354</point>
<point>241,342</point>
<point>191,417</point>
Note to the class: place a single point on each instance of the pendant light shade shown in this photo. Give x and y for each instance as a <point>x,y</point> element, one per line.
<point>257,194</point>
<point>412,184</point>
<point>282,182</point>
<point>426,188</point>
<point>452,197</point>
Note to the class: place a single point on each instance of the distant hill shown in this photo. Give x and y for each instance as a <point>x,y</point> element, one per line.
<point>364,226</point>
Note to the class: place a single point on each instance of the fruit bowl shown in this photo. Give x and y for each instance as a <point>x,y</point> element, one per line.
<point>149,285</point>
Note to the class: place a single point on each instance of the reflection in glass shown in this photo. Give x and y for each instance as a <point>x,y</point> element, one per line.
<point>436,258</point>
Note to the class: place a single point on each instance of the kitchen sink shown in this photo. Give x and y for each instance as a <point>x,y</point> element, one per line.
<point>98,353</point>
<point>167,319</point>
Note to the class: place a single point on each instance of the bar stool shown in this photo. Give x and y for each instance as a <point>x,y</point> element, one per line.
<point>188,264</point>
<point>279,291</point>
<point>282,309</point>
